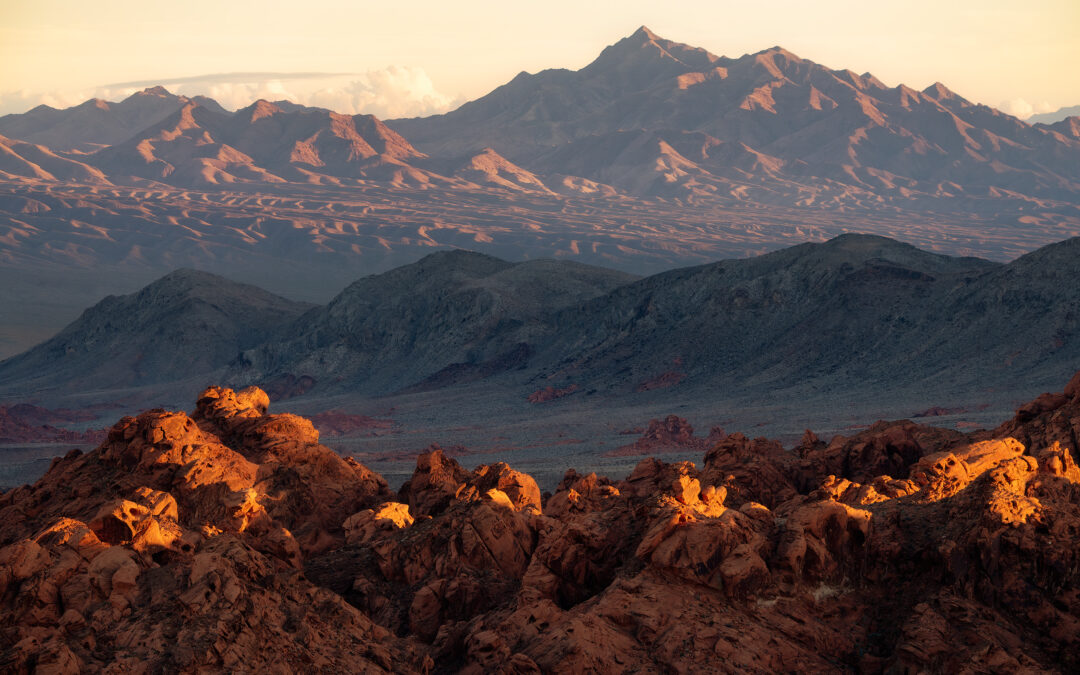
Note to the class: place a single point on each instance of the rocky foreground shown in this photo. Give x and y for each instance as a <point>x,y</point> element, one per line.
<point>232,540</point>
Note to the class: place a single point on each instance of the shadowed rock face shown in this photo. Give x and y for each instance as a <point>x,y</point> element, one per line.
<point>231,539</point>
<point>188,323</point>
<point>854,308</point>
<point>855,312</point>
<point>453,317</point>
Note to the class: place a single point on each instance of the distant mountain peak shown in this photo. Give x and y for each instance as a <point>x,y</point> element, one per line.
<point>777,50</point>
<point>260,109</point>
<point>150,93</point>
<point>644,54</point>
<point>94,103</point>
<point>186,274</point>
<point>939,92</point>
<point>1056,116</point>
<point>459,258</point>
<point>643,33</point>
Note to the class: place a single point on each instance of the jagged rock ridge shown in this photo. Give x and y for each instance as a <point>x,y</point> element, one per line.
<point>231,539</point>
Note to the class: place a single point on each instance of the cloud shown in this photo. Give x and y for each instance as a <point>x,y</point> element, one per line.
<point>228,77</point>
<point>392,92</point>
<point>396,91</point>
<point>22,100</point>
<point>1020,108</point>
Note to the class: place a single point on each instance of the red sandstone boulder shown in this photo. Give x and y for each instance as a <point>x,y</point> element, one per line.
<point>439,481</point>
<point>434,484</point>
<point>577,494</point>
<point>362,527</point>
<point>886,448</point>
<point>757,470</point>
<point>1049,419</point>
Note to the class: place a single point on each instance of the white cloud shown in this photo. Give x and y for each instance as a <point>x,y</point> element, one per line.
<point>396,91</point>
<point>1020,108</point>
<point>235,95</point>
<point>22,100</point>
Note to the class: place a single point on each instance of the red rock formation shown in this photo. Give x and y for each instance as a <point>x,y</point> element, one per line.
<point>885,448</point>
<point>24,423</point>
<point>113,556</point>
<point>664,380</point>
<point>671,434</point>
<point>338,423</point>
<point>174,546</point>
<point>548,394</point>
<point>440,480</point>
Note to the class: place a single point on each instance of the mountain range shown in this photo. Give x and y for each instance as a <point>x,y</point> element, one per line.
<point>771,123</point>
<point>857,313</point>
<point>1058,115</point>
<point>95,123</point>
<point>649,117</point>
<point>161,137</point>
<point>657,155</point>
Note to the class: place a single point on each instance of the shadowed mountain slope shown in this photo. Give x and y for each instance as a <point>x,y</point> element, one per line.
<point>389,331</point>
<point>858,313</point>
<point>185,324</point>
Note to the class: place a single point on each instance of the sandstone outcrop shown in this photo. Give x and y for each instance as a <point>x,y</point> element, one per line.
<point>179,517</point>
<point>231,539</point>
<point>671,434</point>
<point>439,480</point>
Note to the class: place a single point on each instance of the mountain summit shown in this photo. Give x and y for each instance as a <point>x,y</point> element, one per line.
<point>96,123</point>
<point>770,125</point>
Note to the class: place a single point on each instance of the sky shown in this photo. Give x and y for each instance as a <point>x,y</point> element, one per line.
<point>413,57</point>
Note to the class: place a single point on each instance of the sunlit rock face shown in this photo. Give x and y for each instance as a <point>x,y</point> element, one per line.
<point>231,539</point>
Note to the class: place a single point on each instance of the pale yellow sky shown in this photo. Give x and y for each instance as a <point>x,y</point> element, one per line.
<point>1005,54</point>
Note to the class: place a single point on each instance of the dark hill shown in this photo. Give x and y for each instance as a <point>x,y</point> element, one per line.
<point>186,323</point>
<point>453,309</point>
<point>858,313</point>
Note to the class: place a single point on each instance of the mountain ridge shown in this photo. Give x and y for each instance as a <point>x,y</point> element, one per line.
<point>95,123</point>
<point>853,312</point>
<point>802,115</point>
<point>185,324</point>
